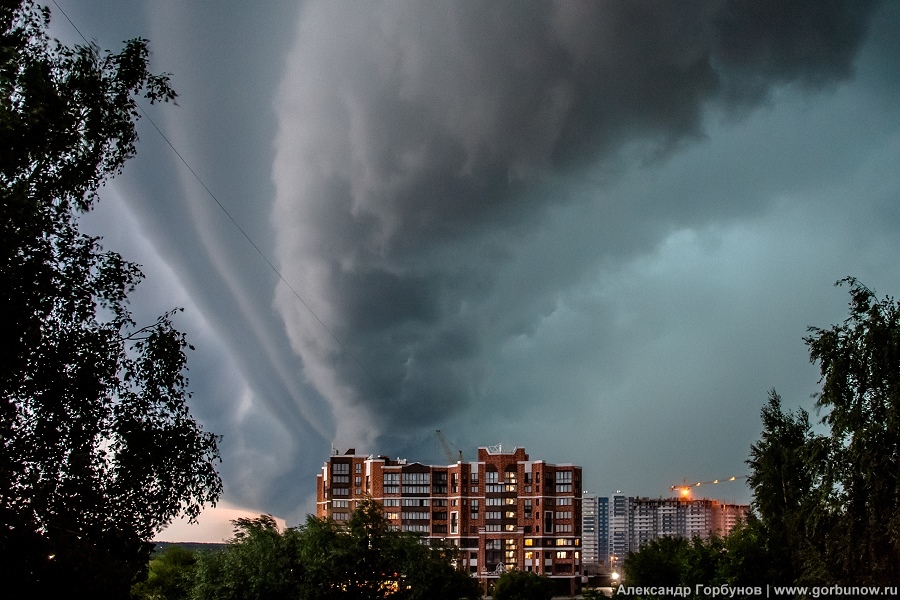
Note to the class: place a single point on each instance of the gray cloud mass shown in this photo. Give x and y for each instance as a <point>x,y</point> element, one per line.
<point>422,147</point>
<point>598,230</point>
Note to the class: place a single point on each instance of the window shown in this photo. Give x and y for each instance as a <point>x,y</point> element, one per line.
<point>492,515</point>
<point>563,481</point>
<point>391,502</point>
<point>509,527</point>
<point>562,554</point>
<point>440,516</point>
<point>416,502</point>
<point>529,555</point>
<point>341,503</point>
<point>342,468</point>
<point>474,478</point>
<point>392,483</point>
<point>392,515</point>
<point>340,491</point>
<point>440,502</point>
<point>492,544</point>
<point>564,528</point>
<point>564,502</point>
<point>563,542</point>
<point>417,483</point>
<point>358,468</point>
<point>528,509</point>
<point>493,501</point>
<point>340,479</point>
<point>454,522</point>
<point>415,528</point>
<point>341,516</point>
<point>415,515</point>
<point>492,527</point>
<point>563,514</point>
<point>509,501</point>
<point>510,514</point>
<point>416,478</point>
<point>510,477</point>
<point>491,477</point>
<point>474,506</point>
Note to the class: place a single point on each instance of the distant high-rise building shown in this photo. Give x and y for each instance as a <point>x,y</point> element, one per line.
<point>503,511</point>
<point>633,522</point>
<point>619,530</point>
<point>603,532</point>
<point>595,533</point>
<point>589,531</point>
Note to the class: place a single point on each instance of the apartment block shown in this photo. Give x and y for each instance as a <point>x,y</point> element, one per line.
<point>633,522</point>
<point>503,511</point>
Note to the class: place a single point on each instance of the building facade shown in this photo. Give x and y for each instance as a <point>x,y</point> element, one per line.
<point>634,522</point>
<point>503,511</point>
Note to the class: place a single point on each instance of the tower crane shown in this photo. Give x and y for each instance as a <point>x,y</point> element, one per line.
<point>446,446</point>
<point>685,488</point>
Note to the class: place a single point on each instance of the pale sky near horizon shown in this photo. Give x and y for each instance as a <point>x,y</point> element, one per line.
<point>595,230</point>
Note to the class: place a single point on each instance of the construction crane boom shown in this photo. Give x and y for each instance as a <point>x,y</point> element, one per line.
<point>686,487</point>
<point>446,446</point>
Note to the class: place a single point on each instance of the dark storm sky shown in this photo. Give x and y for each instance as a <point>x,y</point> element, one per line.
<point>596,230</point>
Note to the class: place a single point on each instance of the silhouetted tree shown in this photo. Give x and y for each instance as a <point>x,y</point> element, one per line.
<point>322,560</point>
<point>523,585</point>
<point>859,491</point>
<point>171,576</point>
<point>829,505</point>
<point>99,451</point>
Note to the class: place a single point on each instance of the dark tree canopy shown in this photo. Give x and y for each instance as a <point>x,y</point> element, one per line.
<point>523,585</point>
<point>99,450</point>
<point>322,560</point>
<point>830,504</point>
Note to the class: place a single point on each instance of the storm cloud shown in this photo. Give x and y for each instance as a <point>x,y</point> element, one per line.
<point>426,152</point>
<point>598,230</point>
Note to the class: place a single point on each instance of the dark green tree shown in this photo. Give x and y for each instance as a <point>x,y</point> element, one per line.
<point>829,505</point>
<point>784,465</point>
<point>171,576</point>
<point>661,562</point>
<point>259,563</point>
<point>748,560</point>
<point>523,585</point>
<point>322,560</point>
<point>99,450</point>
<point>859,491</point>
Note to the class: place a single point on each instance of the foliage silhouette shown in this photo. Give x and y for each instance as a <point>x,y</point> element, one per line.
<point>99,450</point>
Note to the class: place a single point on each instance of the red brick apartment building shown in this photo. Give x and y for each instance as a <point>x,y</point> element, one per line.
<point>504,511</point>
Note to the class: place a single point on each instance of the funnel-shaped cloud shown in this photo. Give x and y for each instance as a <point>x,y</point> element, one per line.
<point>424,148</point>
